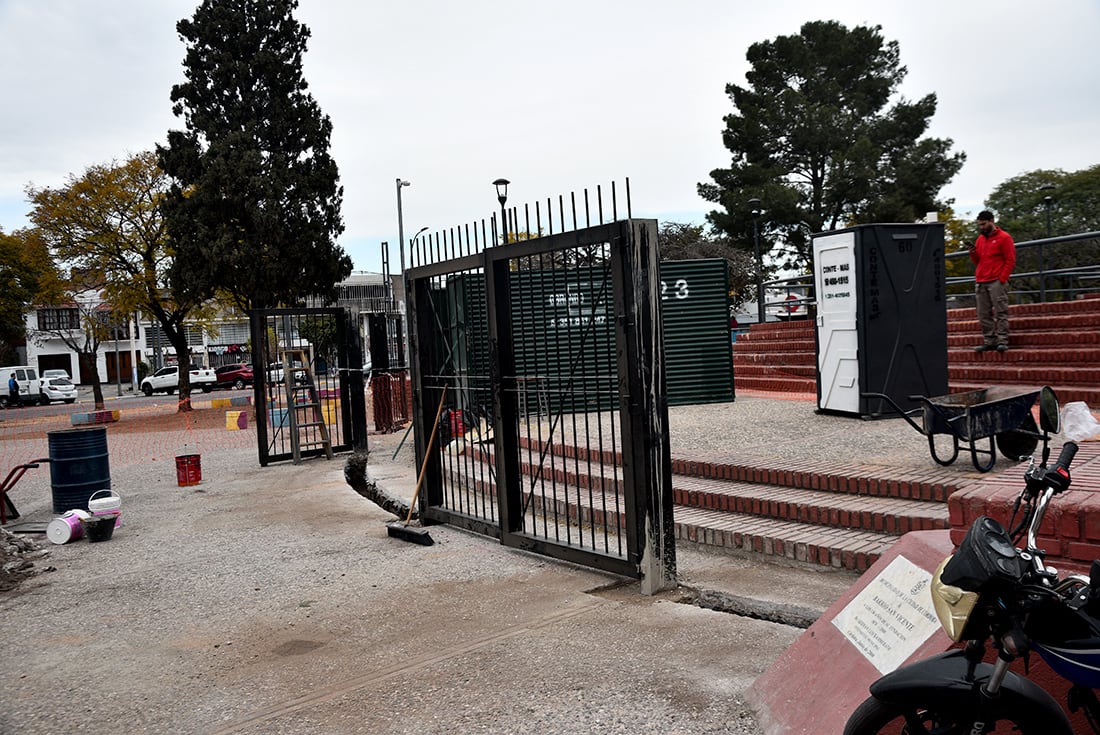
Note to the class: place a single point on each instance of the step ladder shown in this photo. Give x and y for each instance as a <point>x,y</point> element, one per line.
<point>307,423</point>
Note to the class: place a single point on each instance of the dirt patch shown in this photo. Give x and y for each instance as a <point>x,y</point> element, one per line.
<point>18,559</point>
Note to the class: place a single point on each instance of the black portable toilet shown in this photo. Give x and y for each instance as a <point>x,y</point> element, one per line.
<point>881,317</point>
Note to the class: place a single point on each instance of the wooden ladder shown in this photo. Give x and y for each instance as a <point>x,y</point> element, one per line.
<point>303,407</point>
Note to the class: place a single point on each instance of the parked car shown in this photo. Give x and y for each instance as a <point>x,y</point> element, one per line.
<point>234,376</point>
<point>166,380</point>
<point>275,373</point>
<point>54,385</point>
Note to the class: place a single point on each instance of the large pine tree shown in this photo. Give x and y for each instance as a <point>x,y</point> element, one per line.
<point>255,205</point>
<point>821,138</point>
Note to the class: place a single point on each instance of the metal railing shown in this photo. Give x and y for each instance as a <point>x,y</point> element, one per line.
<point>1036,283</point>
<point>1033,281</point>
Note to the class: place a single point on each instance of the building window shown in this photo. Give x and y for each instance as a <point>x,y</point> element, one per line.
<point>56,320</point>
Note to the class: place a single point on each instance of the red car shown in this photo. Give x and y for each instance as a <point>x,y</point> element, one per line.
<point>233,376</point>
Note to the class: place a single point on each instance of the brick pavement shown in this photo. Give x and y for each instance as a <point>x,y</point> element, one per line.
<point>150,435</point>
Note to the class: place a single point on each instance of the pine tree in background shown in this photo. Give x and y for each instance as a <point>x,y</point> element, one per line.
<point>820,136</point>
<point>254,209</point>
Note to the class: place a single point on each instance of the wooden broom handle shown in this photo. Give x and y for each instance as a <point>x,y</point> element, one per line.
<point>427,454</point>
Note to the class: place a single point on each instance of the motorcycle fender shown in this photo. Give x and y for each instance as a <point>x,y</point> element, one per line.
<point>943,677</point>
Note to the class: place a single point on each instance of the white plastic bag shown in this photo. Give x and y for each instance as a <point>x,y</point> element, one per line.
<point>1078,423</point>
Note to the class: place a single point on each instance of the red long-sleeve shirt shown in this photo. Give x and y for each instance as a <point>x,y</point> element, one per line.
<point>994,256</point>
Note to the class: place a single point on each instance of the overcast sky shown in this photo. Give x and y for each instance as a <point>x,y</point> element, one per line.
<point>555,96</point>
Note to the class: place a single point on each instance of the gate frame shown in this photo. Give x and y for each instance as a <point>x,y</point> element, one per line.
<point>349,356</point>
<point>642,401</point>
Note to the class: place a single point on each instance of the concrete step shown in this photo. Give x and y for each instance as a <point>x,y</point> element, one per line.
<point>812,473</point>
<point>833,547</point>
<point>893,516</point>
<point>766,370</point>
<point>1001,368</point>
<point>774,347</point>
<point>1067,392</point>
<point>799,357</point>
<point>1086,304</point>
<point>1037,346</point>
<point>1054,344</point>
<point>775,384</point>
<point>778,331</point>
<point>1080,321</point>
<point>824,513</point>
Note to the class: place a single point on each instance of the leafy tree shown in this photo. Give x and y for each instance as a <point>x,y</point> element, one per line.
<point>679,241</point>
<point>812,136</point>
<point>320,332</point>
<point>958,234</point>
<point>107,226</point>
<point>1020,203</point>
<point>25,267</point>
<point>1021,209</point>
<point>255,202</point>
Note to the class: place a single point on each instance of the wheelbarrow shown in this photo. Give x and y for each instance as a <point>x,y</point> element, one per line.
<point>1001,415</point>
<point>7,508</point>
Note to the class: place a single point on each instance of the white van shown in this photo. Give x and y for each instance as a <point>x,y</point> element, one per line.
<point>27,377</point>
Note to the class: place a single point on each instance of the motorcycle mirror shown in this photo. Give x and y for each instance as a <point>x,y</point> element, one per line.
<point>1048,410</point>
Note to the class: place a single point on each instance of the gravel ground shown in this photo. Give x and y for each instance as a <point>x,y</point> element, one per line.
<point>271,600</point>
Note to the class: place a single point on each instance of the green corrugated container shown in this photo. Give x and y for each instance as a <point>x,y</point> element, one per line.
<point>564,340</point>
<point>698,349</point>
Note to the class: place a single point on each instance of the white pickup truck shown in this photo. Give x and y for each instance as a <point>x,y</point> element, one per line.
<point>166,380</point>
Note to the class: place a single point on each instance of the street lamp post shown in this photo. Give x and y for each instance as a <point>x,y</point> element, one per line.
<point>1048,200</point>
<point>502,197</point>
<point>412,242</point>
<point>401,226</point>
<point>756,212</point>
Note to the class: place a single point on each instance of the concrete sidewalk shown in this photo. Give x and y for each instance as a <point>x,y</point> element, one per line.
<point>272,600</point>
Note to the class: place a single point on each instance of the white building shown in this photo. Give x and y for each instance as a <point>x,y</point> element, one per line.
<point>137,339</point>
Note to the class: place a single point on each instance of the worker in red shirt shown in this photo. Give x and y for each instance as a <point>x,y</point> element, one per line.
<point>994,256</point>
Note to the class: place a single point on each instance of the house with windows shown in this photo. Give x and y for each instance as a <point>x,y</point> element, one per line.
<point>125,341</point>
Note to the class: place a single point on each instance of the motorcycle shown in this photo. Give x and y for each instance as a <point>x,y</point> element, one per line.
<point>995,590</point>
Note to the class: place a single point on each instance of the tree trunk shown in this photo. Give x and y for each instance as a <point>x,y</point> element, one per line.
<point>88,367</point>
<point>178,340</point>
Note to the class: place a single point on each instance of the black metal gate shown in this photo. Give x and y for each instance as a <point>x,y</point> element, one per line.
<point>322,346</point>
<point>543,361</point>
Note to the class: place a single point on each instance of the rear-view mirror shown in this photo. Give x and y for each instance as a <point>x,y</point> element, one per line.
<point>1048,410</point>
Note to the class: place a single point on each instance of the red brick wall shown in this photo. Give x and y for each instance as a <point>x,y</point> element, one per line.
<point>1070,533</point>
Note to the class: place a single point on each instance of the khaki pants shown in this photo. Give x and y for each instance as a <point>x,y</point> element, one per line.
<point>993,312</point>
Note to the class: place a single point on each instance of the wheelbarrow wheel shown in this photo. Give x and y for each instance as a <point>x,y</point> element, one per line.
<point>1019,444</point>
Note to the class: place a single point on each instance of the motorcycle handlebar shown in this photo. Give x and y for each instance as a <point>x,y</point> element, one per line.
<point>1069,451</point>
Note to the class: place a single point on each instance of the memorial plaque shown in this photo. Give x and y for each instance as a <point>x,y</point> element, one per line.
<point>892,616</point>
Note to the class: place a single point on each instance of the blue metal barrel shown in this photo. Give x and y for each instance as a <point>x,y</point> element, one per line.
<point>78,466</point>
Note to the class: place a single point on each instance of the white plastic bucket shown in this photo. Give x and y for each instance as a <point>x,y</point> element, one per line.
<point>106,505</point>
<point>67,527</point>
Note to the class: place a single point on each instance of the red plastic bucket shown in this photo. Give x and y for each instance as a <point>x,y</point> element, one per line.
<point>458,425</point>
<point>188,469</point>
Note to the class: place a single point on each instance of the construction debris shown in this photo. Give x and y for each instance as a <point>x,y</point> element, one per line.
<point>18,555</point>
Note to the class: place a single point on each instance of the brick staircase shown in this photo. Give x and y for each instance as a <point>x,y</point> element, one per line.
<point>830,516</point>
<point>815,512</point>
<point>1056,344</point>
<point>833,514</point>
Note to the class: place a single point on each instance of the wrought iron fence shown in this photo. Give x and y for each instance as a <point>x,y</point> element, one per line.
<point>307,372</point>
<point>542,362</point>
<point>1077,272</point>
